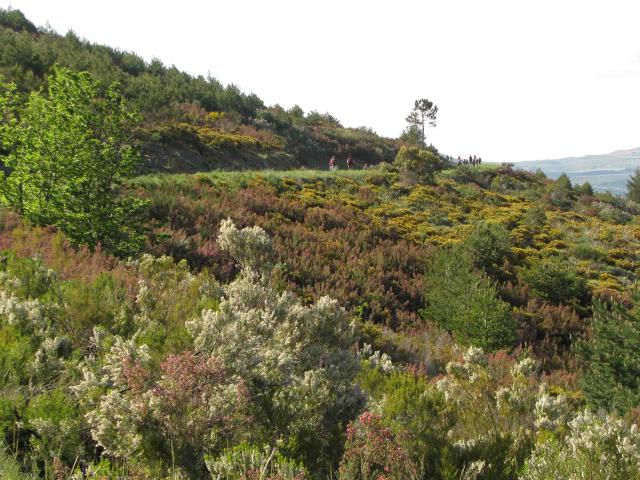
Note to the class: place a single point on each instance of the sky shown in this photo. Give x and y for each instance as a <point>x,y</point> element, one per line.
<point>514,80</point>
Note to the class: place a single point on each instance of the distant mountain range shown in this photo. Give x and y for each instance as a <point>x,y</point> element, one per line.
<point>604,172</point>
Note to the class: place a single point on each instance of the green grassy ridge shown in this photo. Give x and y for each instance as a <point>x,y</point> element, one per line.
<point>485,167</point>
<point>231,177</point>
<point>235,177</point>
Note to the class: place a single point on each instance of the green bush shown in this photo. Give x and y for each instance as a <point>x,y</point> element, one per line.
<point>611,358</point>
<point>416,165</point>
<point>466,303</point>
<point>415,411</point>
<point>554,280</point>
<point>489,246</point>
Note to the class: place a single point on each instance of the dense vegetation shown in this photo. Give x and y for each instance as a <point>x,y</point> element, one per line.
<point>199,361</point>
<point>190,123</point>
<point>415,320</point>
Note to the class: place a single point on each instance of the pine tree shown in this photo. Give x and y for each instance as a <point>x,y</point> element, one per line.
<point>612,358</point>
<point>564,182</point>
<point>424,113</point>
<point>586,189</point>
<point>633,186</point>
<point>466,303</point>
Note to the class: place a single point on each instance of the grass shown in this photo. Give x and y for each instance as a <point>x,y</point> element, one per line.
<point>485,167</point>
<point>9,468</point>
<point>240,177</point>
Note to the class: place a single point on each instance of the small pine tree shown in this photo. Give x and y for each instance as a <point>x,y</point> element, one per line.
<point>612,358</point>
<point>489,245</point>
<point>564,182</point>
<point>466,303</point>
<point>633,186</point>
<point>586,189</point>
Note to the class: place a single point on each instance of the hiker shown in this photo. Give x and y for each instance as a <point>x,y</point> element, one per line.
<point>349,162</point>
<point>332,163</point>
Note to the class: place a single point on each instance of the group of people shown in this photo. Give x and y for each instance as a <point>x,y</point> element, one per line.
<point>333,163</point>
<point>472,160</point>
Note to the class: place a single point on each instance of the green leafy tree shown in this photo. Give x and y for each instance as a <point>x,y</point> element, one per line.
<point>466,303</point>
<point>612,358</point>
<point>417,165</point>
<point>424,114</point>
<point>67,155</point>
<point>633,186</point>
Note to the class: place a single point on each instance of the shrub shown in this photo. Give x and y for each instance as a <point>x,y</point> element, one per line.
<point>374,451</point>
<point>554,280</point>
<point>416,165</point>
<point>598,448</point>
<point>612,358</point>
<point>489,247</point>
<point>493,406</point>
<point>466,303</point>
<point>248,462</point>
<point>296,360</point>
<point>551,331</point>
<point>415,412</point>
<point>251,247</point>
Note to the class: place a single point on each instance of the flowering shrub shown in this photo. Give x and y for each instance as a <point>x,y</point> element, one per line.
<point>417,165</point>
<point>246,462</point>
<point>373,451</point>
<point>187,408</point>
<point>494,412</point>
<point>296,359</point>
<point>251,247</point>
<point>596,447</point>
<point>168,294</point>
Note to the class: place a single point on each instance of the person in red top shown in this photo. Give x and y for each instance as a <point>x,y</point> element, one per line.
<point>332,162</point>
<point>349,162</point>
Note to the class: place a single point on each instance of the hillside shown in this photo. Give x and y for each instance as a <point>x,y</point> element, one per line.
<point>124,349</point>
<point>608,172</point>
<point>414,319</point>
<point>190,123</point>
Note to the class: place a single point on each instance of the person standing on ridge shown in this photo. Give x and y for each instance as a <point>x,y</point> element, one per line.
<point>332,163</point>
<point>349,162</point>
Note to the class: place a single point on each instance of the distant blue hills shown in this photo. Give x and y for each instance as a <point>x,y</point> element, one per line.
<point>604,172</point>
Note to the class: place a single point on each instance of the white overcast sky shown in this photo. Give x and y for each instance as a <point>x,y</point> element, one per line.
<point>514,79</point>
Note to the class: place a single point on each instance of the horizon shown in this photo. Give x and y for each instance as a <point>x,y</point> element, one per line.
<point>579,61</point>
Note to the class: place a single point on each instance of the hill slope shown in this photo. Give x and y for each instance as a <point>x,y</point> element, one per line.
<point>190,123</point>
<point>604,172</point>
<point>103,357</point>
